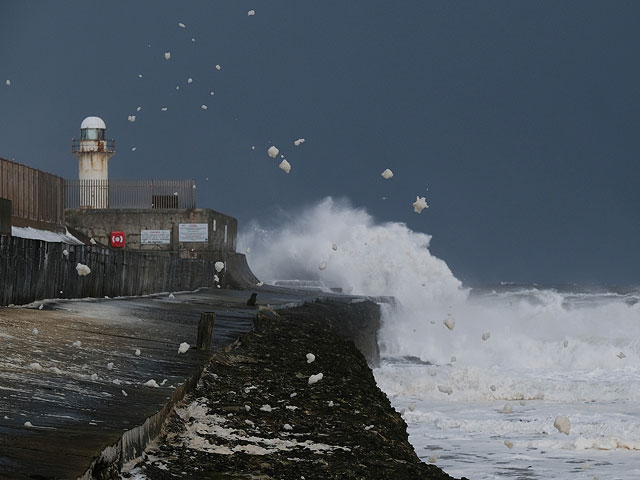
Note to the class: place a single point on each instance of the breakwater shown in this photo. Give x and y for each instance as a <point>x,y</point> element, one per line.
<point>33,270</point>
<point>266,409</point>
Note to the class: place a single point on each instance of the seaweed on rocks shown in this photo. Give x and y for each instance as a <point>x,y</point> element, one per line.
<point>256,415</point>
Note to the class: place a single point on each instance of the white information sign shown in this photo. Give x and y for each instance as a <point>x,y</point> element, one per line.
<point>162,237</point>
<point>193,232</point>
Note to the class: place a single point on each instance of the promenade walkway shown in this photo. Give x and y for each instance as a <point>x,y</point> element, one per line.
<point>73,374</point>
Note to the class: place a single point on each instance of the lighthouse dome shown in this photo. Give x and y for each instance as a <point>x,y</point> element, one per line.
<point>93,122</point>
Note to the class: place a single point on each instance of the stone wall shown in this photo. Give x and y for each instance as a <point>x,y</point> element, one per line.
<point>98,224</point>
<point>5,216</point>
<point>33,270</point>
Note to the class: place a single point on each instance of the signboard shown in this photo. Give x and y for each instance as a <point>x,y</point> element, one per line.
<point>117,239</point>
<point>158,237</point>
<point>193,232</point>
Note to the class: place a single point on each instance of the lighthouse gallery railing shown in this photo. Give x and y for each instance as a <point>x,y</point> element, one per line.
<point>130,193</point>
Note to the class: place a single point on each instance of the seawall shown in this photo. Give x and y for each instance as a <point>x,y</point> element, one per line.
<point>262,409</point>
<point>33,270</point>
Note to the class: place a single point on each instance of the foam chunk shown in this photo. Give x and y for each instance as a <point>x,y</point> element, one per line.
<point>286,426</point>
<point>219,266</point>
<point>189,80</point>
<point>203,106</point>
<point>507,409</point>
<point>310,357</point>
<point>445,389</point>
<point>322,266</point>
<point>35,331</point>
<point>181,25</point>
<point>77,344</point>
<point>273,151</point>
<point>285,166</point>
<point>387,174</point>
<point>449,322</point>
<point>8,82</point>
<point>315,378</point>
<point>420,204</point>
<point>218,67</point>
<point>131,118</point>
<point>251,13</point>
<point>184,346</point>
<point>562,424</point>
<point>137,352</point>
<point>35,366</point>
<point>82,269</point>
<point>509,444</point>
<point>266,408</point>
<point>299,142</point>
<point>167,55</point>
<point>151,383</point>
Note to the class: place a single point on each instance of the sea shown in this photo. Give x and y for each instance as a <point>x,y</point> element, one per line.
<point>521,381</point>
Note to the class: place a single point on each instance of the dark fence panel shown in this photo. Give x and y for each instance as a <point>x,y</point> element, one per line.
<point>36,196</point>
<point>33,270</point>
<point>130,194</point>
<point>5,216</point>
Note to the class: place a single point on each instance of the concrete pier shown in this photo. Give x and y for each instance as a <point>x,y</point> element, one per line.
<point>74,375</point>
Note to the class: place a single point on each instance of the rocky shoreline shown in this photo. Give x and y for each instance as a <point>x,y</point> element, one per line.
<point>263,411</point>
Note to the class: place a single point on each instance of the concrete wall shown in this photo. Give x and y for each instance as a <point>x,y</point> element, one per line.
<point>5,216</point>
<point>34,270</point>
<point>98,224</point>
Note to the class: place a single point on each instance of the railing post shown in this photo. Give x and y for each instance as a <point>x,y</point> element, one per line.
<point>205,329</point>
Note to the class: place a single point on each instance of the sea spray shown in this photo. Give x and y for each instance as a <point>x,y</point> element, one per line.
<point>543,350</point>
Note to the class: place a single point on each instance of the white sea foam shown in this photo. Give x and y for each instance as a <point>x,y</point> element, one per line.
<point>558,353</point>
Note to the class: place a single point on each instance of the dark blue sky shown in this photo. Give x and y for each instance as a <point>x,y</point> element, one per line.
<point>521,118</point>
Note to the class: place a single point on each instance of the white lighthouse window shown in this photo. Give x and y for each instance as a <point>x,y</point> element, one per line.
<point>92,134</point>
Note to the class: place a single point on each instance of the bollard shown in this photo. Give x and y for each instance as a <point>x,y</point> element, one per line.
<point>205,329</point>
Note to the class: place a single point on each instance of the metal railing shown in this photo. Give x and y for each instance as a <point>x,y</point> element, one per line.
<point>130,194</point>
<point>107,145</point>
<point>35,195</point>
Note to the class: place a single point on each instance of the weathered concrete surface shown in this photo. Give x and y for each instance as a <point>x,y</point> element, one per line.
<point>98,224</point>
<point>256,415</point>
<point>5,216</point>
<point>76,415</point>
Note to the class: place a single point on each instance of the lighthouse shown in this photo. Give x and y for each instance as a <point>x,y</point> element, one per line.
<point>93,151</point>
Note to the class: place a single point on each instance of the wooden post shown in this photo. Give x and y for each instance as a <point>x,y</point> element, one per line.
<point>205,329</point>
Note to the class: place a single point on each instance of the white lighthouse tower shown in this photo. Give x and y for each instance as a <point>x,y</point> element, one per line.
<point>93,151</point>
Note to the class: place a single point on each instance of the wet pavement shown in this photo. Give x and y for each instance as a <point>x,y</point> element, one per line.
<point>73,373</point>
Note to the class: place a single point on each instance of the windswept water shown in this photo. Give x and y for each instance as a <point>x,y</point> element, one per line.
<point>517,356</point>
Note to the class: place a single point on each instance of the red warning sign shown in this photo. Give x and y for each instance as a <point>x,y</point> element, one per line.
<point>117,239</point>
